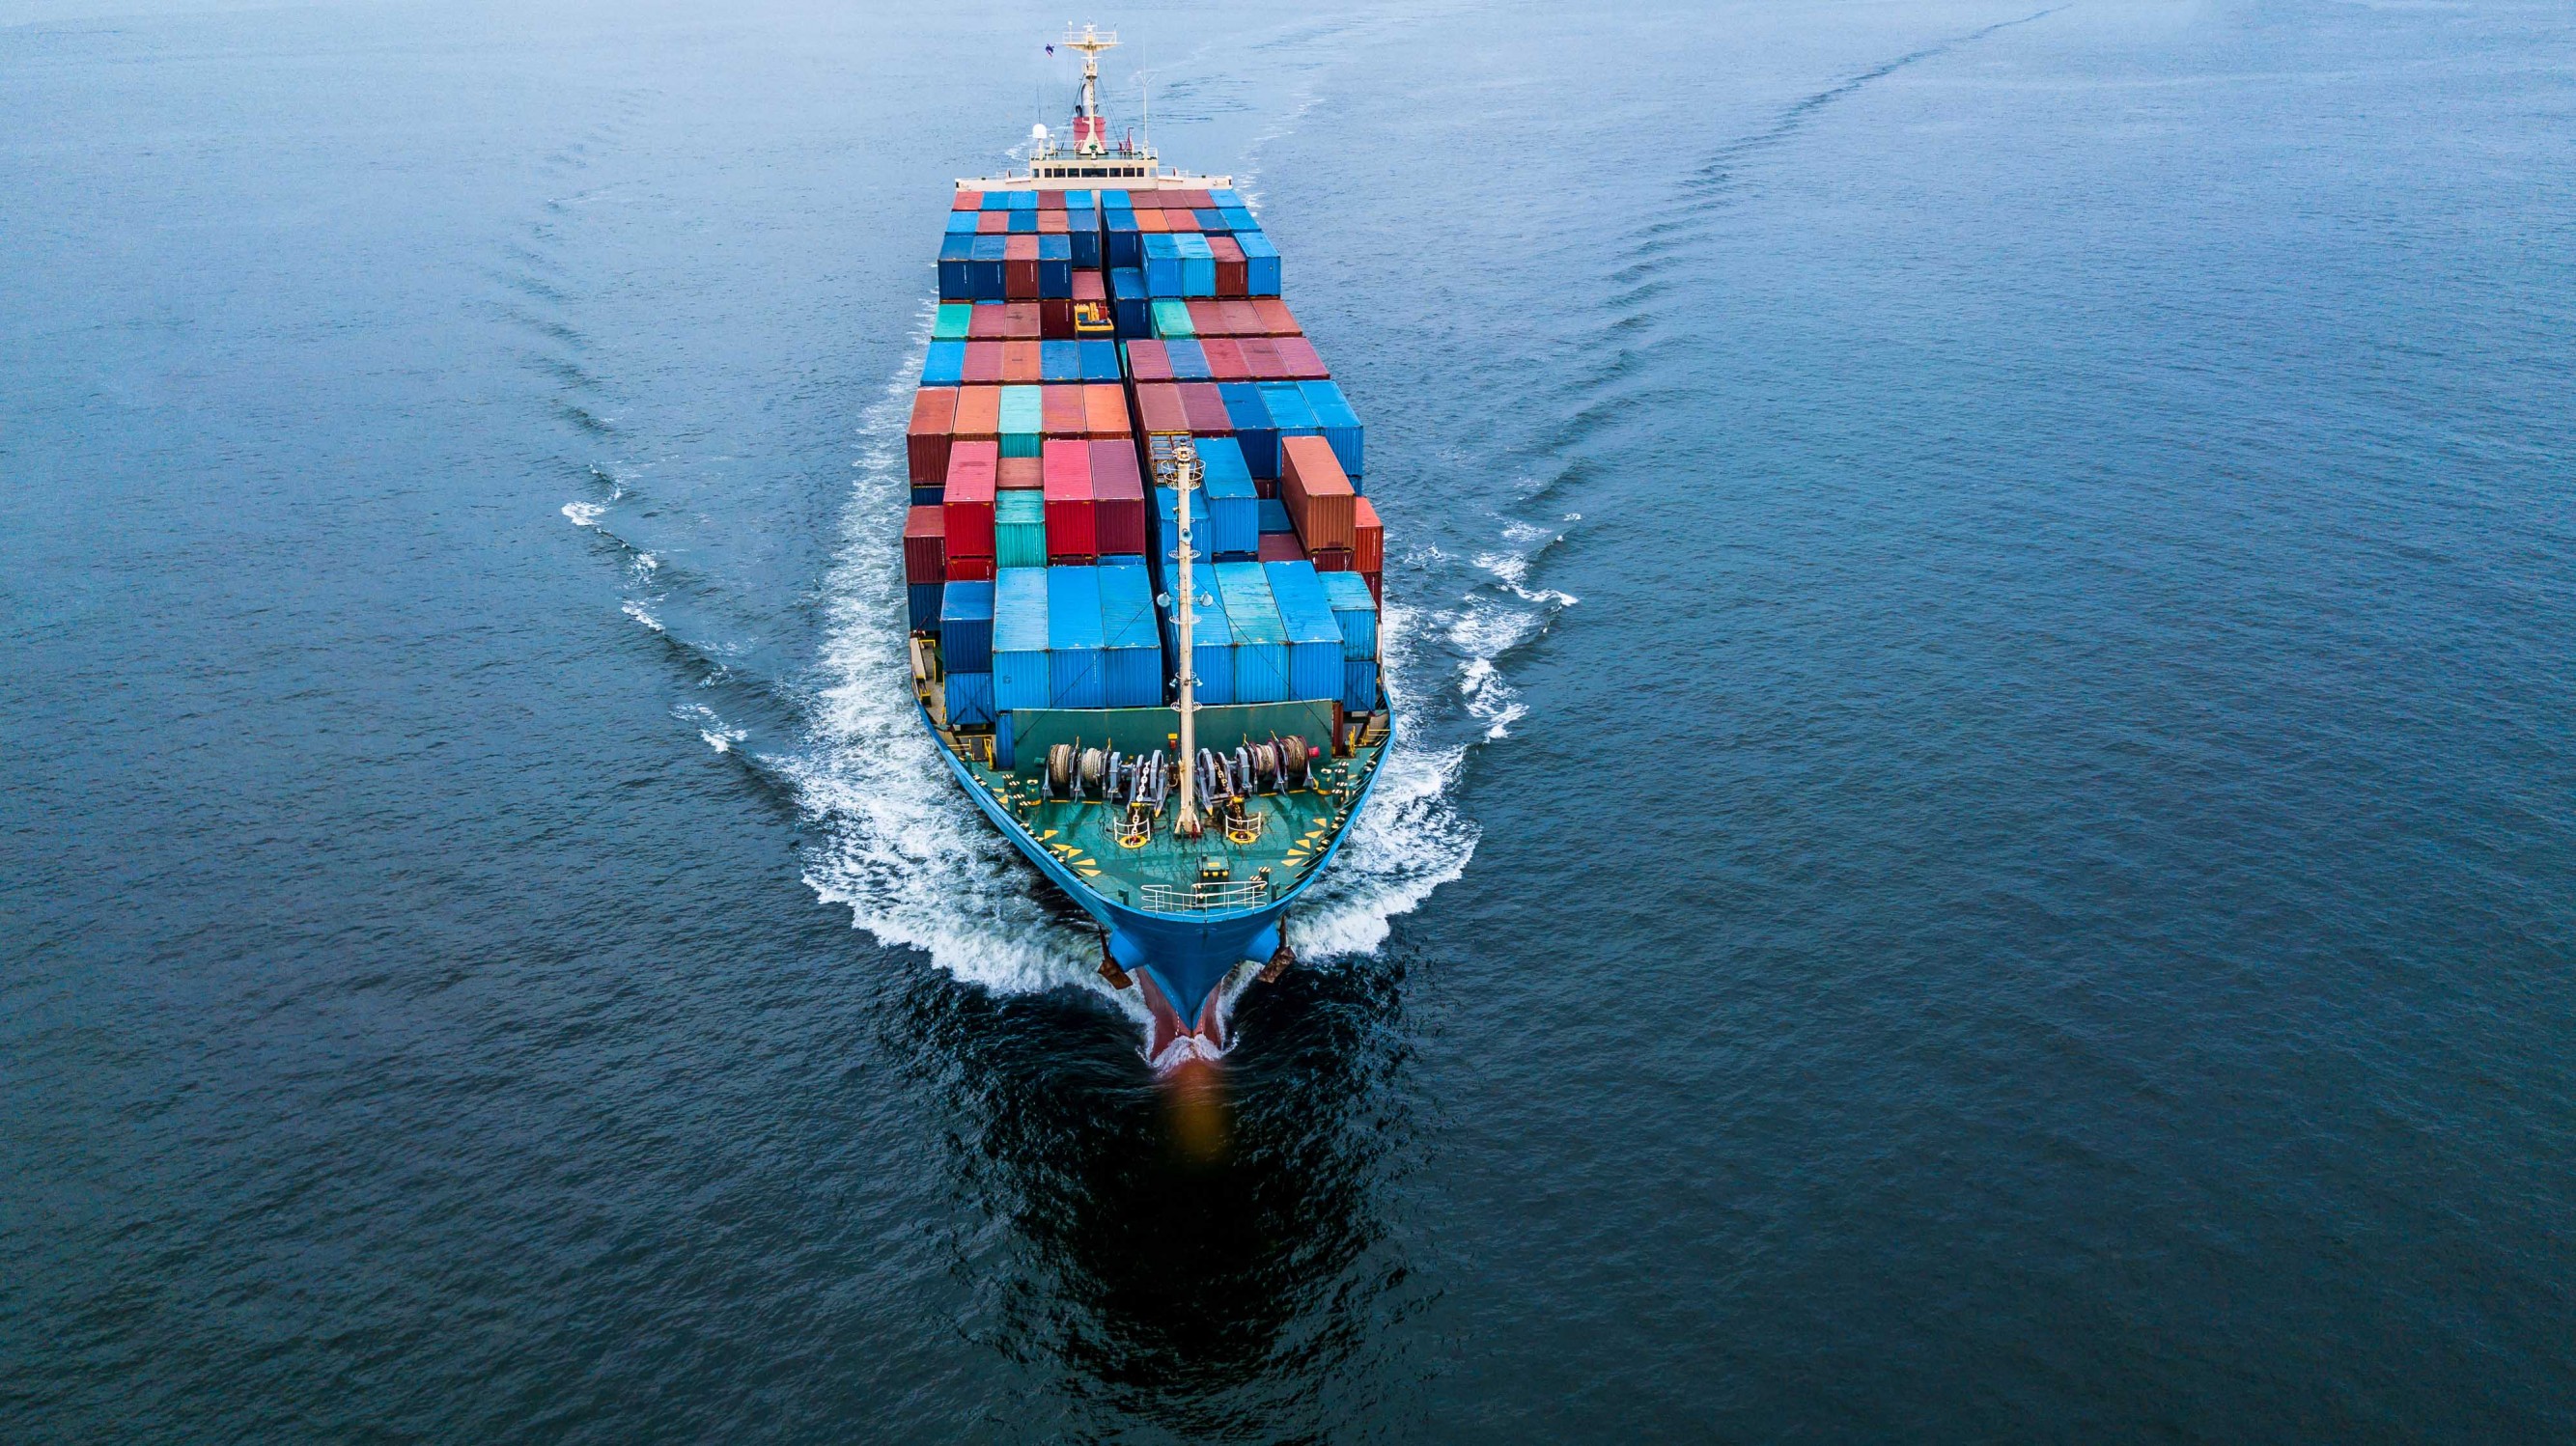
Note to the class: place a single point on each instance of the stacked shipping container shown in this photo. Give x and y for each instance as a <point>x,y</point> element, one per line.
<point>1078,335</point>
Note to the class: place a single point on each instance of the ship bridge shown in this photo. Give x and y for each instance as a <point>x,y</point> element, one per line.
<point>1085,158</point>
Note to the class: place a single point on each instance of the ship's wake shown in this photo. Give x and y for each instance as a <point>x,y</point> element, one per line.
<point>916,864</point>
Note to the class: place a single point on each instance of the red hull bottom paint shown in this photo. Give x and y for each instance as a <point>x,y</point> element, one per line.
<point>1171,1044</point>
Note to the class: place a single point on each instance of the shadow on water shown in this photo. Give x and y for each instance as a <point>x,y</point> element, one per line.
<point>1214,1260</point>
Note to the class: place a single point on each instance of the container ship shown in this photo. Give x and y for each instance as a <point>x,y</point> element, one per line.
<point>1143,577</point>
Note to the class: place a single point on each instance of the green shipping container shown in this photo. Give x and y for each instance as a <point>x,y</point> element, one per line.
<point>954,318</point>
<point>1172,318</point>
<point>1019,529</point>
<point>1023,418</point>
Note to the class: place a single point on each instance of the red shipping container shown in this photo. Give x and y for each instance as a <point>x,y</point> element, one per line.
<point>1188,200</point>
<point>983,364</point>
<point>1071,532</point>
<point>1224,358</point>
<point>1298,360</point>
<point>970,569</point>
<point>1019,474</point>
<point>1062,411</point>
<point>1315,491</point>
<point>1280,547</point>
<point>979,415</point>
<point>1241,318</point>
<point>968,503</point>
<point>993,223</point>
<point>1203,406</point>
<point>1179,221</point>
<point>1055,319</point>
<point>925,442</point>
<point>1020,267</point>
<point>987,320</point>
<point>1327,559</point>
<point>1205,321</point>
<point>1159,410</point>
<point>1104,410</point>
<point>1276,318</point>
<point>1377,588</point>
<point>1051,223</point>
<point>1149,361</point>
<point>1261,358</point>
<point>1023,320</point>
<point>1117,498</point>
<point>1087,286</point>
<point>922,551</point>
<point>1022,363</point>
<point>1230,278</point>
<point>967,201</point>
<point>1368,540</point>
<point>1050,201</point>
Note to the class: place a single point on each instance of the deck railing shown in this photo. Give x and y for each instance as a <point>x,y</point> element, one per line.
<point>1206,898</point>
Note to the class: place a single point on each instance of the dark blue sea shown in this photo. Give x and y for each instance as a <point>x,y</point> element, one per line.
<point>1984,847</point>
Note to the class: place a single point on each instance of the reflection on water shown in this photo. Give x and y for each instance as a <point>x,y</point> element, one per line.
<point>1209,1258</point>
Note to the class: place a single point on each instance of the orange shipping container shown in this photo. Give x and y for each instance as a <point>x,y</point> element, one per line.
<point>1368,541</point>
<point>925,443</point>
<point>1104,409</point>
<point>1019,474</point>
<point>1063,413</point>
<point>1316,493</point>
<point>979,414</point>
<point>1021,365</point>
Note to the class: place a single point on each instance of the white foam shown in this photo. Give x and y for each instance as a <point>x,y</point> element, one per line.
<point>637,611</point>
<point>584,514</point>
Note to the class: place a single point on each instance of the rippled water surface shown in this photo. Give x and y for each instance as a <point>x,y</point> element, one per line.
<point>1983,848</point>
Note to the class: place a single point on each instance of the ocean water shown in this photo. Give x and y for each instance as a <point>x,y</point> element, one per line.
<point>1985,847</point>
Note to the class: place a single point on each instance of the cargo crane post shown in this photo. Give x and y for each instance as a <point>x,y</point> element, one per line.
<point>1185,478</point>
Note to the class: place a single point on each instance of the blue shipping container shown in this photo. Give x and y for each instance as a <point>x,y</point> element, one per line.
<point>1354,612</point>
<point>1131,649</point>
<point>921,602</point>
<point>1254,432</point>
<point>1260,639</point>
<point>1341,425</point>
<point>1233,503</point>
<point>970,700</point>
<point>1099,360</point>
<point>1074,678</point>
<point>1020,638</point>
<point>1167,532</point>
<point>1274,516</point>
<point>1198,264</point>
<point>1260,265</point>
<point>1314,639</point>
<point>929,496</point>
<point>1162,265</point>
<point>1055,267</point>
<point>1060,361</point>
<point>955,283</point>
<point>1211,641</point>
<point>1288,409</point>
<point>984,267</point>
<point>1189,359</point>
<point>1359,686</point>
<point>966,628</point>
<point>944,365</point>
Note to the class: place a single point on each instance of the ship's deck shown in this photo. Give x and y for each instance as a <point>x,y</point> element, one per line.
<point>1167,873</point>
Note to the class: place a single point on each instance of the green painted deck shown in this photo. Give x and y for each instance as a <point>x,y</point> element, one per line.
<point>1296,831</point>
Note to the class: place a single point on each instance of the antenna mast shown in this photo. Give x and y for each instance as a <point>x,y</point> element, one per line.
<point>1090,136</point>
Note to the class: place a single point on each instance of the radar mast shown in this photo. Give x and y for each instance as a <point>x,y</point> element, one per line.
<point>1090,133</point>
